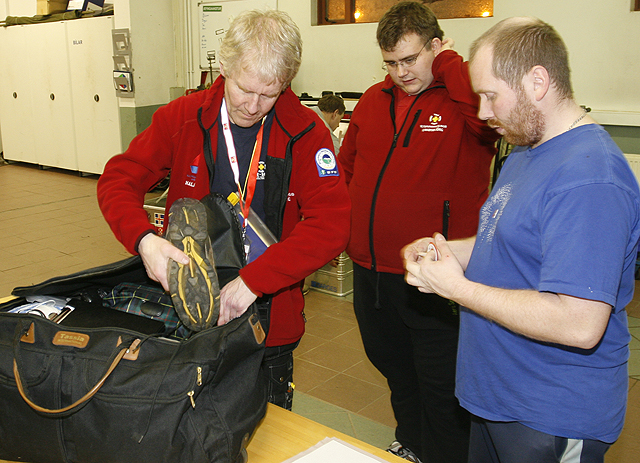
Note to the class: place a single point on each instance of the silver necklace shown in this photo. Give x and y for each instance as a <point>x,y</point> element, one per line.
<point>584,113</point>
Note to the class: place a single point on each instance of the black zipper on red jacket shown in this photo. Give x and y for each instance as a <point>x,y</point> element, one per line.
<point>374,200</point>
<point>207,149</point>
<point>275,202</point>
<point>386,163</point>
<point>407,137</point>
<point>446,213</point>
<point>405,143</point>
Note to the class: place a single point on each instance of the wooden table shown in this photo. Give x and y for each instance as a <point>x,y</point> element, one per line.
<point>284,434</point>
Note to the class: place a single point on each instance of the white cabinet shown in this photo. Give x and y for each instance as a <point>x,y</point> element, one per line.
<point>58,104</point>
<point>95,105</point>
<point>16,114</point>
<point>52,122</point>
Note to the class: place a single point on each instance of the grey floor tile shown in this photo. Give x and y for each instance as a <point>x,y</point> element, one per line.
<point>372,432</point>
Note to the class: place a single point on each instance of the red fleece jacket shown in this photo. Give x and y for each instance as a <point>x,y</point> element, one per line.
<point>174,143</point>
<point>400,173</point>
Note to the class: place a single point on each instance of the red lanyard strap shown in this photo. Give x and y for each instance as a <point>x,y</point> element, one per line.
<point>252,174</point>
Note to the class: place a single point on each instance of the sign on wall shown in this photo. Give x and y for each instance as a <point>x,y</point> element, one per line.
<point>215,18</point>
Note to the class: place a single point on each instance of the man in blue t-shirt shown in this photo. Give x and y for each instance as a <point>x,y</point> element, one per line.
<point>543,350</point>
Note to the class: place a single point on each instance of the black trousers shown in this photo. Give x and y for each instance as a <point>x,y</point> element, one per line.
<point>412,339</point>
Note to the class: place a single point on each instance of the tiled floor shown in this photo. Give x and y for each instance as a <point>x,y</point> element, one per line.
<point>50,225</point>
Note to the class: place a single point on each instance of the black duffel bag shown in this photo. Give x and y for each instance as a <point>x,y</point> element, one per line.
<point>107,394</point>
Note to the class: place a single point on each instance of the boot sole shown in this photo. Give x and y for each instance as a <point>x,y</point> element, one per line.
<point>194,287</point>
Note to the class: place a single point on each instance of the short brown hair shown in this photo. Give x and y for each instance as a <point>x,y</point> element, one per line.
<point>331,103</point>
<point>519,44</point>
<point>405,18</point>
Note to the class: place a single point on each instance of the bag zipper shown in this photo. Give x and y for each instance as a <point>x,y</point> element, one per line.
<point>191,393</point>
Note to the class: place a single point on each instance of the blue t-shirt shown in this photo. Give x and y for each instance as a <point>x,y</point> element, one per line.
<point>562,218</point>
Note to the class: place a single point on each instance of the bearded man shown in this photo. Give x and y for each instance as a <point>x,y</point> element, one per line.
<point>543,349</point>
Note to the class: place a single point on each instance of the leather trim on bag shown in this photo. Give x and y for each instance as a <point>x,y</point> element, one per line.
<point>71,339</point>
<point>256,326</point>
<point>29,336</point>
<point>132,351</point>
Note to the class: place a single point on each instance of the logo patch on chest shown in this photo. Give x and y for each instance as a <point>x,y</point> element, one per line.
<point>262,170</point>
<point>435,124</point>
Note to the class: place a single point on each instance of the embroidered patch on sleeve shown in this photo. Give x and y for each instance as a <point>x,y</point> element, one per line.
<point>326,163</point>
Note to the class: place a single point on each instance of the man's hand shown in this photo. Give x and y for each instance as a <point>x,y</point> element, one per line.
<point>432,267</point>
<point>415,251</point>
<point>155,253</point>
<point>235,299</point>
<point>544,316</point>
<point>446,44</point>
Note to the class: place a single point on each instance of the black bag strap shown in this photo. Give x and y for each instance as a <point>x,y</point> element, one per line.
<point>109,275</point>
<point>70,409</point>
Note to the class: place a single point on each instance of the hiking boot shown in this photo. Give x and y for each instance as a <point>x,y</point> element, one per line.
<point>398,450</point>
<point>194,287</point>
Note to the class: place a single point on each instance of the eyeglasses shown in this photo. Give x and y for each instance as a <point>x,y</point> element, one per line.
<point>405,63</point>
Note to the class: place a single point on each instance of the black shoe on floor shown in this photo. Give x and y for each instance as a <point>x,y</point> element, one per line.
<point>194,287</point>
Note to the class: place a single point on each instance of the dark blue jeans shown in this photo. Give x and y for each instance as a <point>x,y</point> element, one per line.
<point>277,366</point>
<point>512,442</point>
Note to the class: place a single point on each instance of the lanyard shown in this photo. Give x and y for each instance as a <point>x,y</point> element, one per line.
<point>252,174</point>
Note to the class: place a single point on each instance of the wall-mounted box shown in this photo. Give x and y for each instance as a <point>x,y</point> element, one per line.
<point>51,6</point>
<point>85,4</point>
<point>122,68</point>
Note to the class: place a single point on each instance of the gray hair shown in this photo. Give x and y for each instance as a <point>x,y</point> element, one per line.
<point>267,43</point>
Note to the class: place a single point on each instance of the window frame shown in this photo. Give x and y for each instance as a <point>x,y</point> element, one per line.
<point>349,11</point>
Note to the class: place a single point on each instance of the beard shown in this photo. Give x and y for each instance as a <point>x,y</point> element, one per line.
<point>525,125</point>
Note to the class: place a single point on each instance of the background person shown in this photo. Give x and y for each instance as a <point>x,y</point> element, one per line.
<point>331,109</point>
<point>542,362</point>
<point>297,177</point>
<point>416,159</point>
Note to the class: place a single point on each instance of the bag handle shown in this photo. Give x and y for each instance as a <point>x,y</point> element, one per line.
<point>123,351</point>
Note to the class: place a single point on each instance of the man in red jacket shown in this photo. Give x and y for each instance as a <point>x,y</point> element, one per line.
<point>194,138</point>
<point>416,159</point>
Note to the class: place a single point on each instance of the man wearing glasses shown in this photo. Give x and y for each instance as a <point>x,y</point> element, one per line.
<point>416,159</point>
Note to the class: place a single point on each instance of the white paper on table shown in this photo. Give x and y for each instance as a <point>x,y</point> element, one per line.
<point>335,451</point>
